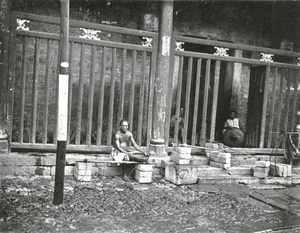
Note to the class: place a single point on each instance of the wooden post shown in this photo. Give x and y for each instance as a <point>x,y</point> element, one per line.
<point>4,63</point>
<point>62,118</point>
<point>161,78</point>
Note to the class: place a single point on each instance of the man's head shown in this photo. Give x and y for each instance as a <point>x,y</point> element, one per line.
<point>124,126</point>
<point>297,128</point>
<point>232,114</point>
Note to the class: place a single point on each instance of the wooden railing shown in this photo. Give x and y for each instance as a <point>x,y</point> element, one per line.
<point>198,77</point>
<point>113,78</point>
<point>109,81</point>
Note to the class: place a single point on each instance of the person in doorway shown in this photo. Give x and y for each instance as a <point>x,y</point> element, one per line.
<point>232,122</point>
<point>233,136</point>
<point>122,150</point>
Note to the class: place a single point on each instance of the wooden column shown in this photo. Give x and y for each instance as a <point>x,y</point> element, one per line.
<point>62,118</point>
<point>4,63</point>
<point>161,79</point>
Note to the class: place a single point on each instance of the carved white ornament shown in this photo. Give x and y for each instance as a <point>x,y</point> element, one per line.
<point>179,46</point>
<point>221,51</point>
<point>90,34</point>
<point>298,62</point>
<point>147,42</point>
<point>267,57</point>
<point>21,24</point>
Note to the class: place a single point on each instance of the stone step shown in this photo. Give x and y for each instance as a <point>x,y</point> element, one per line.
<point>248,180</point>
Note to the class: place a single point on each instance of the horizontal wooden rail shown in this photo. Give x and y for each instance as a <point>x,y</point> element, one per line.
<point>107,149</point>
<point>235,59</point>
<point>110,44</point>
<point>236,46</point>
<point>75,23</point>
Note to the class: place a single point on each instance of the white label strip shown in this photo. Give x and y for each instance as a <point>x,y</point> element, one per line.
<point>63,91</point>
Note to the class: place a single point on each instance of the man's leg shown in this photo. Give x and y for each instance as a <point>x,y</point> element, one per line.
<point>125,176</point>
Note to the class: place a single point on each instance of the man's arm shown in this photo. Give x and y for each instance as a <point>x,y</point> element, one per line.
<point>136,145</point>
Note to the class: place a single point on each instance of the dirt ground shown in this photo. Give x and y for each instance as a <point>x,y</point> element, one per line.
<point>112,205</point>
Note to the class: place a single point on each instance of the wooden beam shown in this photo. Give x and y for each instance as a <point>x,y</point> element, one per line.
<point>162,73</point>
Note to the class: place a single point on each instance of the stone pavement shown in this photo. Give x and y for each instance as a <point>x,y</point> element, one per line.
<point>108,204</point>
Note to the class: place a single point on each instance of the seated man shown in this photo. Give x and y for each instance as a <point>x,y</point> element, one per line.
<point>122,150</point>
<point>233,136</point>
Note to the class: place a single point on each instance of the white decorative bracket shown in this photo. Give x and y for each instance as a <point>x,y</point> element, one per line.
<point>179,46</point>
<point>147,41</point>
<point>298,62</point>
<point>221,51</point>
<point>21,24</point>
<point>267,57</point>
<point>90,34</point>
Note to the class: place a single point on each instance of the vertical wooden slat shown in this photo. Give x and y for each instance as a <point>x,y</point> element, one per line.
<point>170,92</point>
<point>23,90</point>
<point>178,99</point>
<point>111,98</point>
<point>279,111</point>
<point>187,101</point>
<point>270,134</point>
<point>132,90</point>
<point>122,87</point>
<point>215,101</point>
<point>197,91</point>
<point>35,90</point>
<point>91,97</point>
<point>287,101</point>
<point>101,97</point>
<point>205,103</point>
<point>141,101</point>
<point>80,96</point>
<point>71,63</point>
<point>264,108</point>
<point>12,66</point>
<point>46,103</point>
<point>151,88</point>
<point>295,98</point>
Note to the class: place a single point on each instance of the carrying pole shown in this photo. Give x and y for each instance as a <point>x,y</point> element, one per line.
<point>62,116</point>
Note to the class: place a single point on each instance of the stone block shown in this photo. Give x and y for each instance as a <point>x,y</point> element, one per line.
<point>68,170</point>
<point>83,166</point>
<point>219,165</point>
<point>182,150</point>
<point>277,180</point>
<point>178,160</point>
<point>243,170</point>
<point>3,145</point>
<point>181,174</point>
<point>82,178</point>
<point>296,180</point>
<point>181,155</point>
<point>157,160</point>
<point>83,169</point>
<point>221,158</point>
<point>261,172</point>
<point>144,167</point>
<point>280,169</point>
<point>213,153</point>
<point>262,164</point>
<point>199,160</point>
<point>143,177</point>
